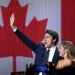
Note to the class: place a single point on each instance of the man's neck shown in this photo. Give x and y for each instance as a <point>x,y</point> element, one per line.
<point>53,47</point>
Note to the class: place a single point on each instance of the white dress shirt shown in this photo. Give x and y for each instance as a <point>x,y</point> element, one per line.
<point>14,30</point>
<point>51,53</point>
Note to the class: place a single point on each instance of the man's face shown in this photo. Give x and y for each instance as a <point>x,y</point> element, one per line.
<point>48,40</point>
<point>61,50</point>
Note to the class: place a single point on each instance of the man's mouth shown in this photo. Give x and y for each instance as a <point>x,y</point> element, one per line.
<point>45,42</point>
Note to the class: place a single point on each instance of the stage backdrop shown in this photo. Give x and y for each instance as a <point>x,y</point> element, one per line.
<point>32,17</point>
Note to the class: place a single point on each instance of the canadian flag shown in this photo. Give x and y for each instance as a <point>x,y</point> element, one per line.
<point>32,17</point>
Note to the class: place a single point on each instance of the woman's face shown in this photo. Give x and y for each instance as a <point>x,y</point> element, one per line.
<point>61,50</point>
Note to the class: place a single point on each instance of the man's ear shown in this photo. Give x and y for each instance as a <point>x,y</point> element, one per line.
<point>54,40</point>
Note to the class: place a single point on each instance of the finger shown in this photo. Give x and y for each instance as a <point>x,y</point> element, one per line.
<point>10,18</point>
<point>12,14</point>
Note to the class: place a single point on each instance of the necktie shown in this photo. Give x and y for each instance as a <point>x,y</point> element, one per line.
<point>46,55</point>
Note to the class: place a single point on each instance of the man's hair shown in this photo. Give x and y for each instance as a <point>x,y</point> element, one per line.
<point>54,35</point>
<point>67,44</point>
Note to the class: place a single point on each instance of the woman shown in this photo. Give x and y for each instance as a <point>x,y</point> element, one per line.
<point>66,66</point>
<point>64,47</point>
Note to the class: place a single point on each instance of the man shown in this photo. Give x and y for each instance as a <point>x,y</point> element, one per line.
<point>47,45</point>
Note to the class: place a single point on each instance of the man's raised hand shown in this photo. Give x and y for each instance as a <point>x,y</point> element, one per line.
<point>12,19</point>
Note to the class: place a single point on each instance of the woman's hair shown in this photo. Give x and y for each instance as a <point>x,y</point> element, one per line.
<point>71,53</point>
<point>67,44</point>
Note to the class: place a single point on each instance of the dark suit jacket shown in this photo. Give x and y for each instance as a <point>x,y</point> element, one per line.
<point>38,49</point>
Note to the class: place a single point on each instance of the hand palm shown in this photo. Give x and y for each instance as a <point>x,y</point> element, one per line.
<point>12,19</point>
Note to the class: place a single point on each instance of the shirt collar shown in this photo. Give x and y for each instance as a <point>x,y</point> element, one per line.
<point>51,49</point>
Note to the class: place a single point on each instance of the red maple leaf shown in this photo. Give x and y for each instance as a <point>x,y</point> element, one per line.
<point>10,45</point>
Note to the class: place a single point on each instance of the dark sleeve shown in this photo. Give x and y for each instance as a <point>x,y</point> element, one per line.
<point>26,40</point>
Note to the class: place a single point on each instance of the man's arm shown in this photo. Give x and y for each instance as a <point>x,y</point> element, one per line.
<point>21,36</point>
<point>26,40</point>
